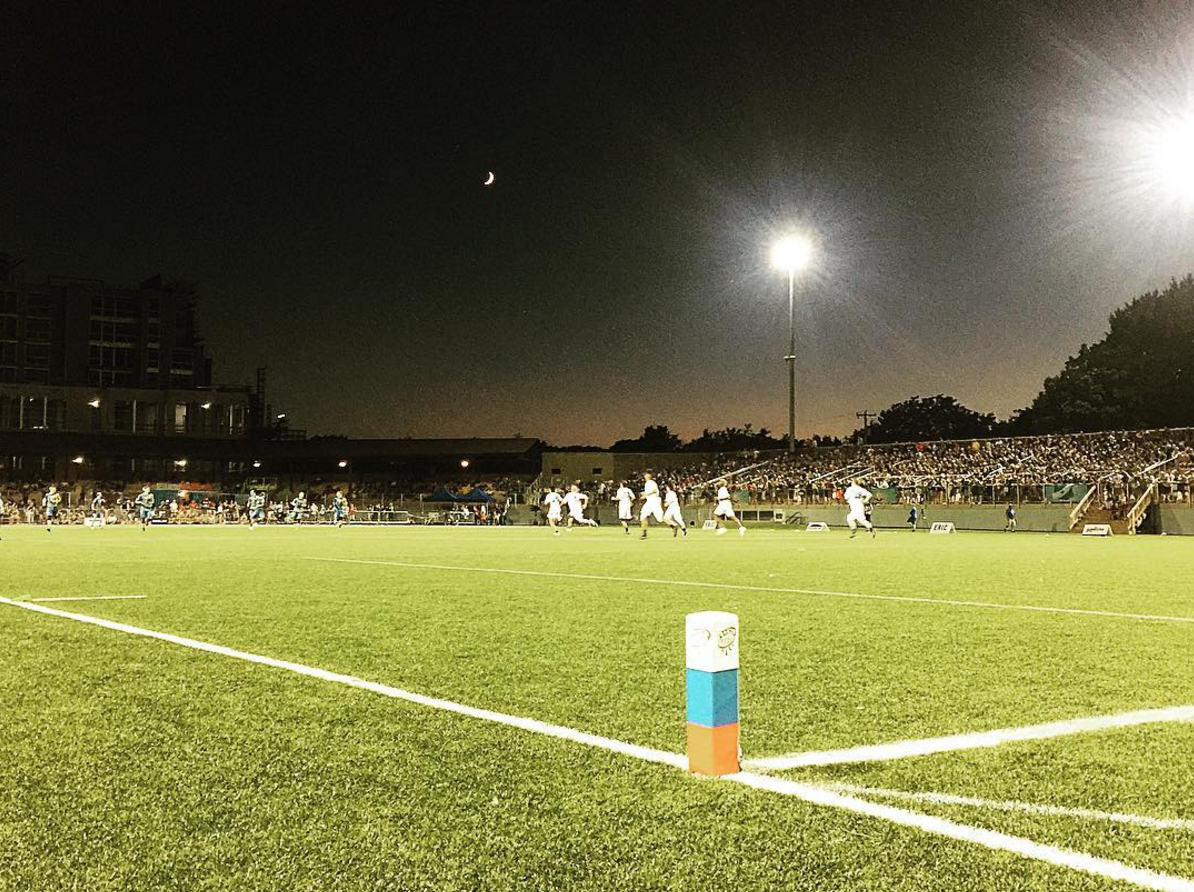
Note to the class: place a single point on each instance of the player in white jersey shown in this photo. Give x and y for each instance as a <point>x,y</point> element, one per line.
<point>856,498</point>
<point>625,499</point>
<point>725,510</point>
<point>576,502</point>
<point>671,511</point>
<point>554,505</point>
<point>652,504</point>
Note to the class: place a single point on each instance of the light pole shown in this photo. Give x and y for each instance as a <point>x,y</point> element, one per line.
<point>791,254</point>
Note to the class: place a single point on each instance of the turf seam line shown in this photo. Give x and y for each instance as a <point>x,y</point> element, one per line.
<point>815,795</point>
<point>1032,808</point>
<point>908,599</point>
<point>904,749</point>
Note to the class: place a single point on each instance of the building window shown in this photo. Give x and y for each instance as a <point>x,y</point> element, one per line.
<point>180,417</point>
<point>597,472</point>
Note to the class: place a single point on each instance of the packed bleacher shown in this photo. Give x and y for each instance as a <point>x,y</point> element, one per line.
<point>1045,468</point>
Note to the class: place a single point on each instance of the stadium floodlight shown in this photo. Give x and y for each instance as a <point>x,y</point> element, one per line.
<point>206,405</point>
<point>464,463</point>
<point>791,254</point>
<point>78,459</point>
<point>342,464</point>
<point>257,464</point>
<point>1172,155</point>
<point>95,403</point>
<point>180,462</point>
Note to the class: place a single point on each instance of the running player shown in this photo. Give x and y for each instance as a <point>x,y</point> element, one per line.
<point>857,497</point>
<point>554,503</point>
<point>576,502</point>
<point>913,517</point>
<point>625,499</point>
<point>725,510</point>
<point>339,509</point>
<point>671,511</point>
<point>256,505</point>
<point>50,501</point>
<point>1010,514</point>
<point>298,507</point>
<point>652,504</point>
<point>144,503</point>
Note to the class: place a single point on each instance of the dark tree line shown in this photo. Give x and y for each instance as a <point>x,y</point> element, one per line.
<point>1140,375</point>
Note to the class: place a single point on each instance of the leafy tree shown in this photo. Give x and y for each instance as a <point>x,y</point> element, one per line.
<point>1140,375</point>
<point>938,417</point>
<point>655,438</point>
<point>734,439</point>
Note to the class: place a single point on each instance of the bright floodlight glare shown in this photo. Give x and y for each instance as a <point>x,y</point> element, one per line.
<point>1173,155</point>
<point>343,464</point>
<point>78,459</point>
<point>791,253</point>
<point>95,403</point>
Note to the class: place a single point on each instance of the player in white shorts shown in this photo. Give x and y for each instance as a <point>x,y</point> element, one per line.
<point>576,502</point>
<point>554,510</point>
<point>625,499</point>
<point>652,504</point>
<point>856,498</point>
<point>725,510</point>
<point>671,512</point>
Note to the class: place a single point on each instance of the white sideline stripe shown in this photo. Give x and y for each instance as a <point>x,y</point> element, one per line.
<point>991,839</point>
<point>1032,808</point>
<point>605,743</point>
<point>89,598</point>
<point>910,599</point>
<point>904,749</point>
<point>809,793</point>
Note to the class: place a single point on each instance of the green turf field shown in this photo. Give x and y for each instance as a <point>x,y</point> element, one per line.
<point>134,763</point>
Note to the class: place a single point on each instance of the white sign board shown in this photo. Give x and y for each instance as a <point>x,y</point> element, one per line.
<point>93,522</point>
<point>942,526</point>
<point>817,527</point>
<point>1096,529</point>
<point>711,641</point>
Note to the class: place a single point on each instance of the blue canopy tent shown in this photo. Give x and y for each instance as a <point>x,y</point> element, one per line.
<point>441,495</point>
<point>475,496</point>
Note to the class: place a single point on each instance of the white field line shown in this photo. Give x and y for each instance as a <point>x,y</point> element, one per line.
<point>89,598</point>
<point>908,599</point>
<point>904,749</point>
<point>1031,808</point>
<point>815,795</point>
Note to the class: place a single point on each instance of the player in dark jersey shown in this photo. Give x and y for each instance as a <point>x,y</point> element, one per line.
<point>145,505</point>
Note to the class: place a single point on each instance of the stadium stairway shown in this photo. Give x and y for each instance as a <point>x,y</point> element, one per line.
<point>1102,515</point>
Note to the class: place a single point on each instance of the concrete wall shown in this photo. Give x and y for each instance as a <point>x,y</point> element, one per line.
<point>1177,520</point>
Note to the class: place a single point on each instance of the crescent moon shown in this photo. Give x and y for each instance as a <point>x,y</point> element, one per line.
<point>489,181</point>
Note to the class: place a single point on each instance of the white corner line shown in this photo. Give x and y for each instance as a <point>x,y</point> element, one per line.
<point>991,839</point>
<point>807,792</point>
<point>904,749</point>
<point>88,598</point>
<point>726,586</point>
<point>1031,808</point>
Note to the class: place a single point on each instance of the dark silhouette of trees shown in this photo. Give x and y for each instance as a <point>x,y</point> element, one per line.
<point>938,417</point>
<point>1140,375</point>
<point>655,438</point>
<point>734,439</point>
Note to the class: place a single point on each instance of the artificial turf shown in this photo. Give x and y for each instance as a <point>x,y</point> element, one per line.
<point>136,764</point>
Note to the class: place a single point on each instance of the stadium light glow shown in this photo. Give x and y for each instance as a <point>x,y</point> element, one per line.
<point>95,403</point>
<point>257,464</point>
<point>464,463</point>
<point>78,459</point>
<point>792,253</point>
<point>180,462</point>
<point>1171,155</point>
<point>281,416</point>
<point>342,463</point>
<point>205,405</point>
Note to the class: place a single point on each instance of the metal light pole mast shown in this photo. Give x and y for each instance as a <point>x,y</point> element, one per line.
<point>791,358</point>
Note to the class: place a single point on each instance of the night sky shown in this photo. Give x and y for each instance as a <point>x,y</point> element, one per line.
<point>971,174</point>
